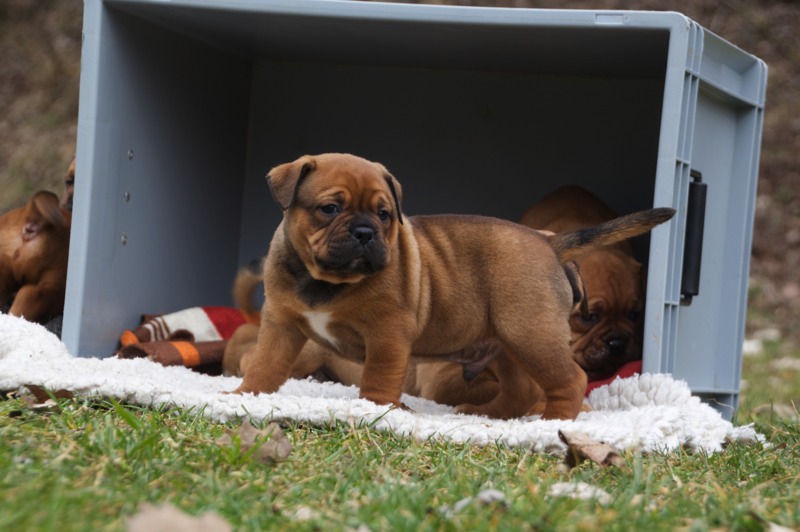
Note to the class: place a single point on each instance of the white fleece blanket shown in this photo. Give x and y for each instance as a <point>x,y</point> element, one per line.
<point>644,413</point>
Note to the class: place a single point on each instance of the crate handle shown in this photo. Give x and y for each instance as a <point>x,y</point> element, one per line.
<point>693,244</point>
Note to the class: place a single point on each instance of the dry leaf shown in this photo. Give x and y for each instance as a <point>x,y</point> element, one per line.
<point>48,407</point>
<point>43,396</point>
<point>40,401</point>
<point>167,518</point>
<point>581,447</point>
<point>271,443</point>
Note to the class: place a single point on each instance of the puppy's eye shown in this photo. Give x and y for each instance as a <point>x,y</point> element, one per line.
<point>384,215</point>
<point>330,209</point>
<point>634,315</point>
<point>590,319</point>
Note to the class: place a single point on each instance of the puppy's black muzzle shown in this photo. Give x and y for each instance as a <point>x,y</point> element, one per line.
<point>360,252</point>
<point>363,233</point>
<point>617,346</point>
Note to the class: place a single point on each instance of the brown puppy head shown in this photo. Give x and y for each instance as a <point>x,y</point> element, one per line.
<point>69,187</point>
<point>609,336</point>
<point>341,214</point>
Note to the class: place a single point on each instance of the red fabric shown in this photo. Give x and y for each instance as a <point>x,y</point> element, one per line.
<point>225,319</point>
<point>628,370</point>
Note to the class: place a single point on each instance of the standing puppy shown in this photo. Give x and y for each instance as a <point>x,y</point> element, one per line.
<point>34,248</point>
<point>348,270</point>
<point>610,334</point>
<point>447,386</point>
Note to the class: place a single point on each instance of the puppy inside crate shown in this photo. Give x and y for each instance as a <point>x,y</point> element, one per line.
<point>331,276</point>
<point>34,248</point>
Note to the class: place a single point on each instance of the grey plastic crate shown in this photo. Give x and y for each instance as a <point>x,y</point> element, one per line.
<point>186,104</point>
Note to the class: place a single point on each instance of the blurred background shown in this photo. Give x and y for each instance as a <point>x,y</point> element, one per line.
<point>40,45</point>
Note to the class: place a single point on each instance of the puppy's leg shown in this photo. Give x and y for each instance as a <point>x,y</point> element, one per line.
<point>532,321</point>
<point>270,364</point>
<point>342,370</point>
<point>515,392</point>
<point>310,360</point>
<point>38,302</point>
<point>385,371</point>
<point>443,382</point>
<point>549,363</point>
<point>242,340</point>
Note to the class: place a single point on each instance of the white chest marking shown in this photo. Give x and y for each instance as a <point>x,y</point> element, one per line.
<point>318,321</point>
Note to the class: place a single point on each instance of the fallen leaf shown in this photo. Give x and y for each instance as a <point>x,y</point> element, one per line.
<point>32,405</point>
<point>42,395</point>
<point>168,518</point>
<point>48,406</point>
<point>581,447</point>
<point>271,444</point>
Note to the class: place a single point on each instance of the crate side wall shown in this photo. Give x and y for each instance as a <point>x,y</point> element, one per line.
<point>167,158</point>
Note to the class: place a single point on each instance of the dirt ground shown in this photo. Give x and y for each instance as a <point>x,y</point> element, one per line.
<point>39,73</point>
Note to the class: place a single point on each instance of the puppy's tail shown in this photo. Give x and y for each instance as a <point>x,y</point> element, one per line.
<point>244,288</point>
<point>571,245</point>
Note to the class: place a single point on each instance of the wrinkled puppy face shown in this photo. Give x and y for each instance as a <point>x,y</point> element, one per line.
<point>610,335</point>
<point>342,214</point>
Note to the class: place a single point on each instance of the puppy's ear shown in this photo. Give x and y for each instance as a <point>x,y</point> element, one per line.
<point>397,193</point>
<point>285,179</point>
<point>42,211</point>
<point>578,288</point>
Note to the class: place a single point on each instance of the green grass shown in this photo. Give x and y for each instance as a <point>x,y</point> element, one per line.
<point>90,465</point>
<point>771,390</point>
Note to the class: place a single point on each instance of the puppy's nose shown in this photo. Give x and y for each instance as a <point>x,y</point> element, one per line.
<point>617,345</point>
<point>363,234</point>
